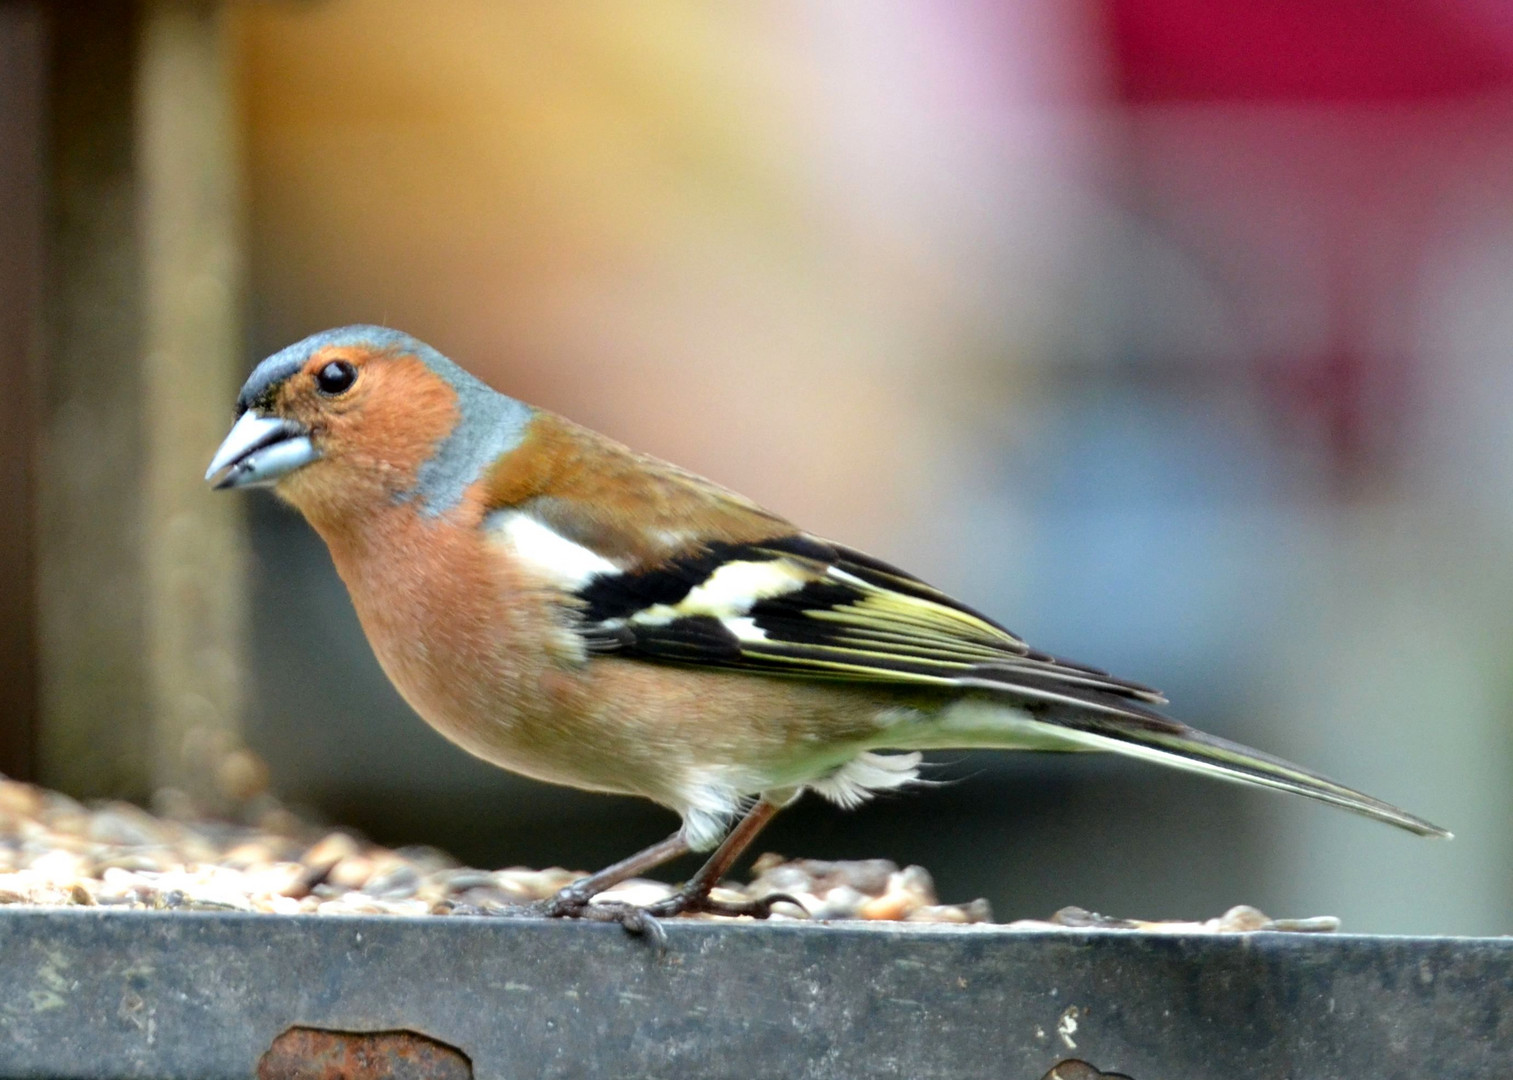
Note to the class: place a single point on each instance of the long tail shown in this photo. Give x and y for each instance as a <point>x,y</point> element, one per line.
<point>1120,727</point>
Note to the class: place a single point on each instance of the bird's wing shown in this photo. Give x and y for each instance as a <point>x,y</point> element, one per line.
<point>800,606</point>
<point>666,566</point>
<point>628,509</point>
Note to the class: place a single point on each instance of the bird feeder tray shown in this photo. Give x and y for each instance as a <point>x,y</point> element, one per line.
<point>100,993</point>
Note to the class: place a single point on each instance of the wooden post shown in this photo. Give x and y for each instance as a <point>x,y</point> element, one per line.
<point>94,731</point>
<point>141,569</point>
<point>21,45</point>
<point>190,217</point>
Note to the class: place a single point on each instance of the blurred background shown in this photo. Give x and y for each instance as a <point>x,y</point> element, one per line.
<point>1173,335</point>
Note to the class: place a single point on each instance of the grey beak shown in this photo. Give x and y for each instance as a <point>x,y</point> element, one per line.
<point>259,450</point>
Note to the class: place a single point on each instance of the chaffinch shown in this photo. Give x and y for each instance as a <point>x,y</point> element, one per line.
<point>567,608</point>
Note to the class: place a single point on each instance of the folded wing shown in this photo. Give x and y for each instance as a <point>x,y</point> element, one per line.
<point>797,605</point>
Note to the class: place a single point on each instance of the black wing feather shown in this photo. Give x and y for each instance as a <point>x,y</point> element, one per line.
<point>821,611</point>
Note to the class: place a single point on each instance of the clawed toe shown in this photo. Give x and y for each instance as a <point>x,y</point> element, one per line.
<point>693,903</point>
<point>575,902</point>
<point>634,920</point>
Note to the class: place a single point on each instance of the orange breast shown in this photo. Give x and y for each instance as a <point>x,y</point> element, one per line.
<point>463,638</point>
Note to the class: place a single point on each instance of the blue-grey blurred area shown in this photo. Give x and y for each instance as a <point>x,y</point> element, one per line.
<point>1175,350</point>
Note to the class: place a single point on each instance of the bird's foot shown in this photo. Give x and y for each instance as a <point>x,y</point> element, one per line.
<point>571,902</point>
<point>698,902</point>
<point>574,902</point>
<point>634,920</point>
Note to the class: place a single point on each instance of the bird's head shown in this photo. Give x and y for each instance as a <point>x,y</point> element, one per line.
<point>353,418</point>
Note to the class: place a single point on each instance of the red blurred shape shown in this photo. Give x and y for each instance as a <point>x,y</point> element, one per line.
<point>1308,50</point>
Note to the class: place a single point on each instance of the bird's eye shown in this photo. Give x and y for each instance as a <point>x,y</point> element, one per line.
<point>336,377</point>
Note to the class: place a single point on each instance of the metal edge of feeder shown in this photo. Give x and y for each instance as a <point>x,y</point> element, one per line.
<point>98,993</point>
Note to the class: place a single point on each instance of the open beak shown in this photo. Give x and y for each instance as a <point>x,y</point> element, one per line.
<point>259,450</point>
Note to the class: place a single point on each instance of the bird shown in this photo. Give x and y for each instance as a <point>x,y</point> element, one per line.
<point>568,608</point>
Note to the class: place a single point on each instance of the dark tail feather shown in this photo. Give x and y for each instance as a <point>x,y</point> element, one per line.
<point>1158,738</point>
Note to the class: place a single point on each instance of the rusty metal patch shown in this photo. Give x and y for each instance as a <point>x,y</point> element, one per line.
<point>303,1053</point>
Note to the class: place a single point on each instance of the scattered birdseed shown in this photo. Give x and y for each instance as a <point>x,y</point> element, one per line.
<point>56,852</point>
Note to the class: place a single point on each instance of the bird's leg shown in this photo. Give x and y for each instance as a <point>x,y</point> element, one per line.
<point>573,901</point>
<point>694,896</point>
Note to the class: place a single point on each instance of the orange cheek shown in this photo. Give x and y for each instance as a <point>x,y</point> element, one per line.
<point>373,443</point>
<point>404,414</point>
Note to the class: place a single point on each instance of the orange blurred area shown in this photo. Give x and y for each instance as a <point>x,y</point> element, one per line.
<point>759,241</point>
